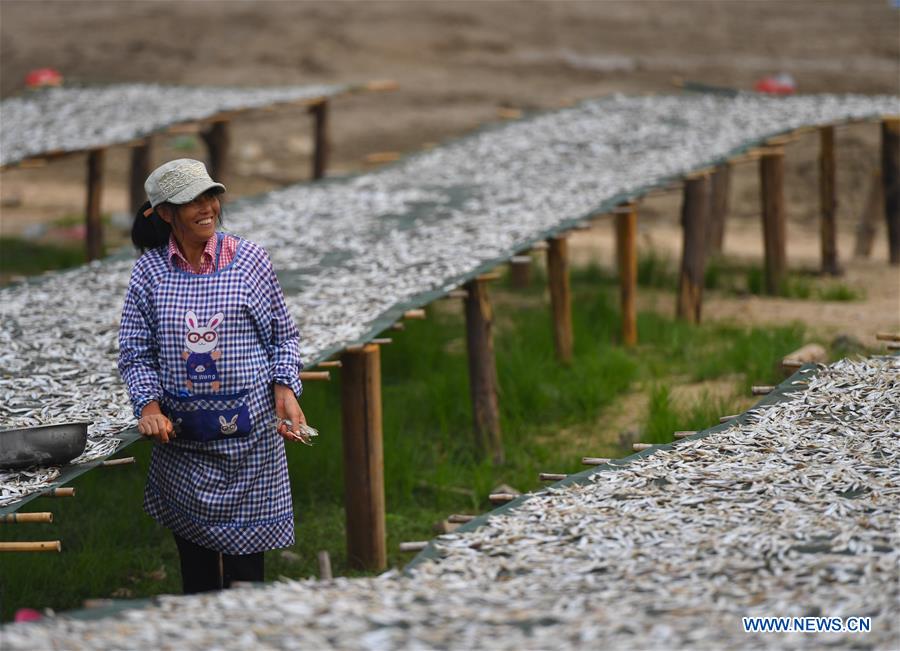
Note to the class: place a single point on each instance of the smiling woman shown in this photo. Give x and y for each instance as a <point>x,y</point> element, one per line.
<point>210,355</point>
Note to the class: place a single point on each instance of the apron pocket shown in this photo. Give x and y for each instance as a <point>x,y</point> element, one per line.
<point>209,417</point>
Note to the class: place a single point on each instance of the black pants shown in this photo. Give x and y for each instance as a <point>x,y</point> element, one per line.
<point>203,569</point>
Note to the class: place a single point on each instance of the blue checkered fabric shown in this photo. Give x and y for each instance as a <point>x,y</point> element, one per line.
<point>230,495</point>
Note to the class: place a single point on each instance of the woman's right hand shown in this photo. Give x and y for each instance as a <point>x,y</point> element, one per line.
<point>155,424</point>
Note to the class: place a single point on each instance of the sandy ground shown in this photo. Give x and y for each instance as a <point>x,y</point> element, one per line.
<point>458,63</point>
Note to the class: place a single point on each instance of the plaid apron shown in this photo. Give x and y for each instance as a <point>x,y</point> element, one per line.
<point>222,483</point>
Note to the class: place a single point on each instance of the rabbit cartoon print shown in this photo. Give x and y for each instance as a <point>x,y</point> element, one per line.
<point>200,352</point>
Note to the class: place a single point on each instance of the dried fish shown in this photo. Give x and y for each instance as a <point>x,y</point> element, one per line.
<point>75,119</point>
<point>377,244</point>
<point>787,515</point>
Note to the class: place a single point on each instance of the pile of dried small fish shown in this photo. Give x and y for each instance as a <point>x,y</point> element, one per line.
<point>75,119</point>
<point>793,513</point>
<point>364,249</point>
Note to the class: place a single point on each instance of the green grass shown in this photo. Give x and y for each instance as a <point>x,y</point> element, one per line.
<point>432,467</point>
<point>19,256</point>
<point>657,270</point>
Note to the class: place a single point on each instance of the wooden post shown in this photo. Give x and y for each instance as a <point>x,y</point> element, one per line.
<point>868,220</point>
<point>319,112</point>
<point>560,297</point>
<point>718,209</point>
<point>325,566</point>
<point>363,458</point>
<point>482,369</point>
<point>93,223</point>
<point>520,273</point>
<point>140,170</point>
<point>217,142</point>
<point>626,257</point>
<point>694,211</point>
<point>828,201</point>
<point>771,173</point>
<point>890,178</point>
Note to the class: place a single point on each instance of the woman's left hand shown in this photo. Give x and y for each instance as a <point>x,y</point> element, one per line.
<point>287,408</point>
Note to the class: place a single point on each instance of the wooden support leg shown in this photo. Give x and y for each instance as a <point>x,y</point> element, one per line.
<point>890,178</point>
<point>718,209</point>
<point>140,170</point>
<point>217,142</point>
<point>771,172</point>
<point>363,458</point>
<point>828,202</point>
<point>694,211</point>
<point>520,275</point>
<point>483,369</point>
<point>868,221</point>
<point>626,257</point>
<point>321,147</point>
<point>560,297</point>
<point>93,223</point>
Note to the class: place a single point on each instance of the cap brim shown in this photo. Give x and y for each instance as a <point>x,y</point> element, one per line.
<point>194,190</point>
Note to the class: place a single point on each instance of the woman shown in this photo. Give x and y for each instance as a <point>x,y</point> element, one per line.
<point>210,354</point>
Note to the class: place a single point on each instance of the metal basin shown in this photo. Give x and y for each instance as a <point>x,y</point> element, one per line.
<point>47,445</point>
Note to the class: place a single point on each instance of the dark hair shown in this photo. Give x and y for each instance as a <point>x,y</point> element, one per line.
<point>151,231</point>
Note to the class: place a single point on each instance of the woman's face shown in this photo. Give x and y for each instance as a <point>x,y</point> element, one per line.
<point>195,222</point>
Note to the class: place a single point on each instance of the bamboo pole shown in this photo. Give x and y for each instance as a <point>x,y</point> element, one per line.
<point>683,434</point>
<point>551,476</point>
<point>413,546</point>
<point>640,447</point>
<point>217,141</point>
<point>501,498</point>
<point>460,518</point>
<point>123,461</point>
<point>761,390</point>
<point>626,258</point>
<point>307,376</point>
<point>319,111</point>
<point>93,222</point>
<point>414,314</point>
<point>790,365</point>
<point>725,419</point>
<point>593,461</point>
<point>718,208</point>
<point>483,370</point>
<point>458,293</point>
<point>888,336</point>
<point>15,518</point>
<point>59,492</point>
<point>43,546</point>
<point>140,170</point>
<point>890,178</point>
<point>335,363</point>
<point>828,201</point>
<point>694,209</point>
<point>560,297</point>
<point>771,171</point>
<point>363,458</point>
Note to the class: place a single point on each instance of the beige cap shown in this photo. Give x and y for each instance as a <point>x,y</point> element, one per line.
<point>179,181</point>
